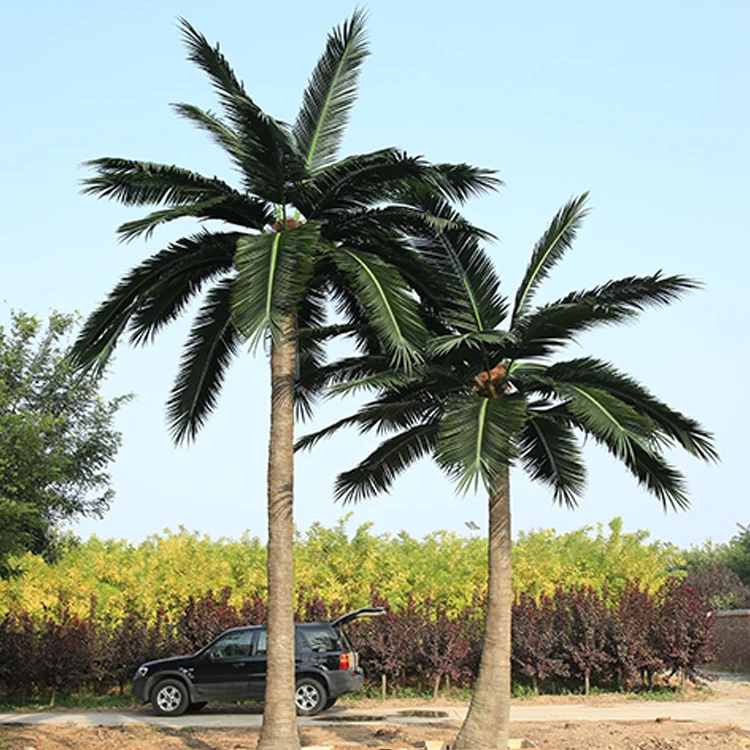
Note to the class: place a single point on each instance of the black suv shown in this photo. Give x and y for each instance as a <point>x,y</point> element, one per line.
<point>233,668</point>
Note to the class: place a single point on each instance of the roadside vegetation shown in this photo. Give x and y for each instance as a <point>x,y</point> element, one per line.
<point>613,613</point>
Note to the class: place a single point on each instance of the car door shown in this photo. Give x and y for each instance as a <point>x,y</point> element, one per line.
<point>258,664</point>
<point>222,670</point>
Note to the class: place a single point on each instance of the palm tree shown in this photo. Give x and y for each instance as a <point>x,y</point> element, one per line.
<point>488,398</point>
<point>304,228</point>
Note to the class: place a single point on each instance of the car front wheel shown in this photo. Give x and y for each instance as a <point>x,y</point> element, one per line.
<point>310,697</point>
<point>170,698</point>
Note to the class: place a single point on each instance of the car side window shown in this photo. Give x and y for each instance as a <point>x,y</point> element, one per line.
<point>317,639</point>
<point>232,645</point>
<point>261,643</point>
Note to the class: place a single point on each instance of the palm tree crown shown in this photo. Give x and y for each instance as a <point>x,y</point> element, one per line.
<point>521,405</point>
<point>304,227</point>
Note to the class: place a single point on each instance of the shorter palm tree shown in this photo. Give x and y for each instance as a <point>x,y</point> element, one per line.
<point>489,398</point>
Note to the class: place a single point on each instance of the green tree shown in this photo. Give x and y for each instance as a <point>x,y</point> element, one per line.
<point>306,229</point>
<point>57,438</point>
<point>488,398</point>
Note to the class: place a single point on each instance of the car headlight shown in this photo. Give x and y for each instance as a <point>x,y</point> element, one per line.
<point>142,671</point>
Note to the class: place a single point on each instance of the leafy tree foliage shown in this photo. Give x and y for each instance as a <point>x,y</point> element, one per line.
<point>581,617</point>
<point>721,572</point>
<point>331,564</point>
<point>738,553</point>
<point>621,640</point>
<point>720,587</point>
<point>535,640</point>
<point>57,438</point>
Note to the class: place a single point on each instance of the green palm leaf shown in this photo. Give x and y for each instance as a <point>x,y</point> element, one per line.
<point>550,454</point>
<point>548,251</point>
<point>381,468</point>
<point>544,330</point>
<point>392,312</point>
<point>360,181</point>
<point>273,270</point>
<point>219,131</point>
<point>212,343</point>
<point>330,94</point>
<point>657,476</point>
<point>607,418</point>
<point>477,437</point>
<point>672,425</point>
<point>138,183</point>
<point>244,212</point>
<point>193,259</point>
<point>270,160</point>
<point>459,182</point>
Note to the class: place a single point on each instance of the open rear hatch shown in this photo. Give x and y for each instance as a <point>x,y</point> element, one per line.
<point>350,660</point>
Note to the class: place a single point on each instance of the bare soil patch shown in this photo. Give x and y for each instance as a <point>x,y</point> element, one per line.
<point>665,735</point>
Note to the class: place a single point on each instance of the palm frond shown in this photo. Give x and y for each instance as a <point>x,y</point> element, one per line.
<point>311,336</point>
<point>306,442</point>
<point>474,302</point>
<point>270,160</point>
<point>360,181</point>
<point>634,294</point>
<point>544,330</point>
<point>477,436</point>
<point>441,346</point>
<point>392,312</point>
<point>212,343</point>
<point>607,418</point>
<point>672,425</point>
<point>192,259</point>
<point>331,93</point>
<point>381,468</point>
<point>241,212</point>
<point>220,132</point>
<point>208,256</point>
<point>550,454</point>
<point>548,251</point>
<point>138,183</point>
<point>459,182</point>
<point>273,270</point>
<point>657,476</point>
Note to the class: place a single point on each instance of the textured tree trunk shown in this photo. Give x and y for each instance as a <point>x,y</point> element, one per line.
<point>279,730</point>
<point>487,723</point>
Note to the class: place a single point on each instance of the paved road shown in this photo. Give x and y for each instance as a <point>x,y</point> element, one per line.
<point>734,710</point>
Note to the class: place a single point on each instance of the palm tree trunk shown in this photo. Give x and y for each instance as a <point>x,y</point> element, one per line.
<point>279,730</point>
<point>487,723</point>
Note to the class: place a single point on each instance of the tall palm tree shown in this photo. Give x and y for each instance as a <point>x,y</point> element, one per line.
<point>488,397</point>
<point>304,228</point>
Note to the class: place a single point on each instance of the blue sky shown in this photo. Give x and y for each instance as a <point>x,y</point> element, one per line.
<point>644,104</point>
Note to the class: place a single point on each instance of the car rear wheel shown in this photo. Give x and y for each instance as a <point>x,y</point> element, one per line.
<point>170,698</point>
<point>310,697</point>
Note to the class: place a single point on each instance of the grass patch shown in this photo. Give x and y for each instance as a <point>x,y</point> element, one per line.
<point>89,701</point>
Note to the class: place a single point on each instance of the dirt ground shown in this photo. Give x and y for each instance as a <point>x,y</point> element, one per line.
<point>662,734</point>
<point>666,735</point>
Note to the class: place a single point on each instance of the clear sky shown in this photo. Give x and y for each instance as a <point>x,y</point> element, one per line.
<point>644,104</point>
